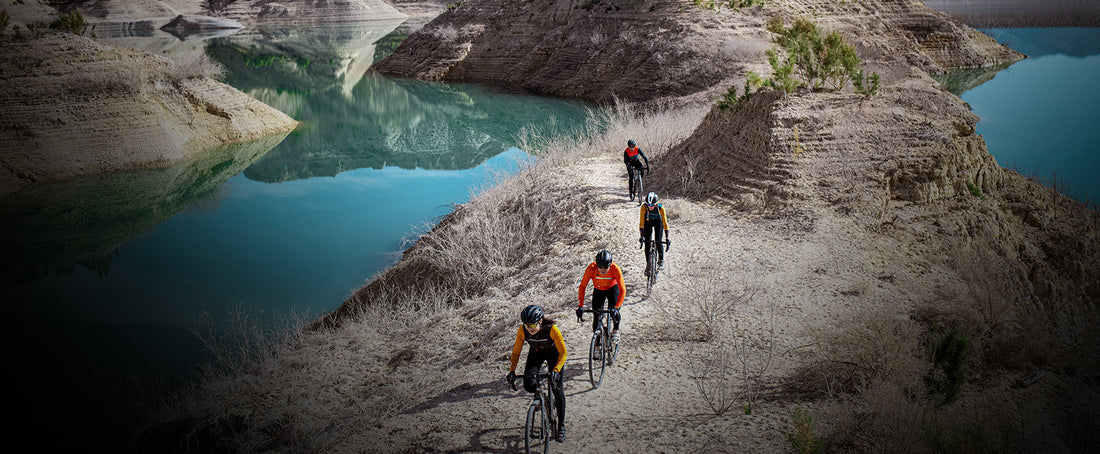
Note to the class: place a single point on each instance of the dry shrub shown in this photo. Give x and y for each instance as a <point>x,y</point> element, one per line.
<point>851,354</point>
<point>196,65</point>
<point>728,357</point>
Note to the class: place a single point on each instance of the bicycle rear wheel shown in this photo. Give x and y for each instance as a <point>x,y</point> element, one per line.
<point>597,360</point>
<point>537,431</point>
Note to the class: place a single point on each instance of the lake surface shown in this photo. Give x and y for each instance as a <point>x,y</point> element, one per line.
<point>1038,115</point>
<point>107,276</point>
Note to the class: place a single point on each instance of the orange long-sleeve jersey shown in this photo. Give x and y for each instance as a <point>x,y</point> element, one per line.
<point>539,341</point>
<point>613,277</point>
<point>645,211</point>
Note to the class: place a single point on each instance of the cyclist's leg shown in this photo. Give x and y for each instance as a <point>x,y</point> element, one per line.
<point>531,370</point>
<point>614,297</point>
<point>598,299</point>
<point>659,238</point>
<point>630,178</point>
<point>558,389</point>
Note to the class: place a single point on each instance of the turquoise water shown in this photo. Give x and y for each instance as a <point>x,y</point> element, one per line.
<point>1039,115</point>
<point>108,275</point>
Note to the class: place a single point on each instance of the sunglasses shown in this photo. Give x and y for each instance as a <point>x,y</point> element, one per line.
<point>533,325</point>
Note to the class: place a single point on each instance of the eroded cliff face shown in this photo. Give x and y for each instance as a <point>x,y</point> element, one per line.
<point>908,165</point>
<point>73,106</point>
<point>639,51</point>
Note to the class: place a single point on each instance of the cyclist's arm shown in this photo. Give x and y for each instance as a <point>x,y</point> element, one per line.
<point>641,217</point>
<point>643,157</point>
<point>664,219</point>
<point>516,349</point>
<point>619,281</point>
<point>559,343</point>
<point>588,273</point>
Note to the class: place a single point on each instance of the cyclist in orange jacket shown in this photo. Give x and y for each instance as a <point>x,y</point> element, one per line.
<point>607,286</point>
<point>632,157</point>
<point>546,345</point>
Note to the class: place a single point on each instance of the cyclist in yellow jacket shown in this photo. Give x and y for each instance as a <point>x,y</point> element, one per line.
<point>546,345</point>
<point>651,223</point>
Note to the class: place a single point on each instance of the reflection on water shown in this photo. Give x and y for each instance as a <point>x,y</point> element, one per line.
<point>357,119</point>
<point>1037,116</point>
<point>49,227</point>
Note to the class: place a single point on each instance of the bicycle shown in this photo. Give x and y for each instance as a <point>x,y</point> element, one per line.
<point>541,425</point>
<point>601,351</point>
<point>651,269</point>
<point>638,185</point>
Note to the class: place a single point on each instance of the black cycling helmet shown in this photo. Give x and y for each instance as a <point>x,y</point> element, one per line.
<point>531,314</point>
<point>630,143</point>
<point>603,259</point>
<point>651,198</point>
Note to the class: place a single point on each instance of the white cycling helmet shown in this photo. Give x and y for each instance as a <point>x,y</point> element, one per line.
<point>651,198</point>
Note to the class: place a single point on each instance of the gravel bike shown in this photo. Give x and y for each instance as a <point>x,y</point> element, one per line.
<point>542,417</point>
<point>601,350</point>
<point>638,185</point>
<point>651,268</point>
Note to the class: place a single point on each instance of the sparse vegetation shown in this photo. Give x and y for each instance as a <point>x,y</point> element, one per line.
<point>975,190</point>
<point>801,435</point>
<point>948,351</point>
<point>72,22</point>
<point>4,21</point>
<point>196,65</point>
<point>814,60</point>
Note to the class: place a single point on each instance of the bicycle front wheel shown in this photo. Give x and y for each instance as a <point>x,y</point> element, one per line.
<point>536,431</point>
<point>597,361</point>
<point>638,187</point>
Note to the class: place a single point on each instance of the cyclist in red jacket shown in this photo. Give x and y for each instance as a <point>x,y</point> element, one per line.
<point>608,287</point>
<point>632,157</point>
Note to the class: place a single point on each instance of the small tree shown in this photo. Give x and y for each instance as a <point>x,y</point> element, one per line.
<point>819,61</point>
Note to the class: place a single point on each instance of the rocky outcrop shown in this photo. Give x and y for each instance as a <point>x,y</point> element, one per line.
<point>73,106</point>
<point>599,49</point>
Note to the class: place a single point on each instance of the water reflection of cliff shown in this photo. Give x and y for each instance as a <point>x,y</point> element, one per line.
<point>52,228</point>
<point>352,118</point>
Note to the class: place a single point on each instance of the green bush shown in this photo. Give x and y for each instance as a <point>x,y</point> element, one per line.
<point>801,435</point>
<point>73,22</point>
<point>975,190</point>
<point>4,21</point>
<point>819,61</point>
<point>948,350</point>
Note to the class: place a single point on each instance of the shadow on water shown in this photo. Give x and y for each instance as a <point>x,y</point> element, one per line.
<point>353,118</point>
<point>51,228</point>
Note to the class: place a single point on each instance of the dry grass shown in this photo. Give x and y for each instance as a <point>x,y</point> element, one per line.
<point>196,65</point>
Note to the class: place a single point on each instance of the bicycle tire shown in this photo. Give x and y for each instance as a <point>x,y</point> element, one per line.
<point>595,349</point>
<point>651,266</point>
<point>638,187</point>
<point>533,435</point>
